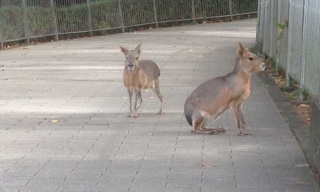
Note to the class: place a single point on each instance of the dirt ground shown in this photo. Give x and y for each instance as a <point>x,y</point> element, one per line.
<point>302,107</point>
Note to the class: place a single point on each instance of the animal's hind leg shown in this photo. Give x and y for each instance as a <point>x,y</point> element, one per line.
<point>157,92</point>
<point>214,130</point>
<point>198,123</point>
<point>217,129</point>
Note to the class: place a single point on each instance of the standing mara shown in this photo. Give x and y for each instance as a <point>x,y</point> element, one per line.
<point>137,75</point>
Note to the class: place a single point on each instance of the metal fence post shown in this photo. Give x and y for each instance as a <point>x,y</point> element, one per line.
<point>258,23</point>
<point>290,24</point>
<point>271,28</point>
<point>314,22</point>
<point>193,13</point>
<point>278,40</point>
<point>25,21</point>
<point>155,13</point>
<point>121,15</point>
<point>230,10</point>
<point>56,36</point>
<point>261,21</point>
<point>265,20</point>
<point>89,17</point>
<point>303,48</point>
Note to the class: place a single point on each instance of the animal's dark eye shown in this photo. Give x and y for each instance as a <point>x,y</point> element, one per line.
<point>251,58</point>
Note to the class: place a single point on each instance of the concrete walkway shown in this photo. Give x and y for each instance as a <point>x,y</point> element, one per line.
<point>64,124</point>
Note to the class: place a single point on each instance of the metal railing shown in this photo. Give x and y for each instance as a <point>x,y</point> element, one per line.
<point>289,32</point>
<point>22,20</point>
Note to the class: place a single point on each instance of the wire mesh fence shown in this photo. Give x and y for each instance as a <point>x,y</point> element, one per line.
<point>28,19</point>
<point>289,31</point>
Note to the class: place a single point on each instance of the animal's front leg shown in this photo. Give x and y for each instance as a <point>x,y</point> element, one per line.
<point>135,113</point>
<point>130,101</point>
<point>235,109</point>
<point>242,121</point>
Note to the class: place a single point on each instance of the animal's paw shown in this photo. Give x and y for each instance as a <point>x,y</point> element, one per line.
<point>244,134</point>
<point>133,114</point>
<point>215,130</point>
<point>160,113</point>
<point>221,130</point>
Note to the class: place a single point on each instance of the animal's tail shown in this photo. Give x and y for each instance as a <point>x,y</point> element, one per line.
<point>188,110</point>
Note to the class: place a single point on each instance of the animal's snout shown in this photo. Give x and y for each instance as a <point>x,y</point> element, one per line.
<point>263,66</point>
<point>131,67</point>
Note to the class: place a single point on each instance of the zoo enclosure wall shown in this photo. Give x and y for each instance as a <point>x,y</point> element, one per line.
<point>289,31</point>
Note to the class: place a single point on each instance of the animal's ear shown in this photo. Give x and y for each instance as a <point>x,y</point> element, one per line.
<point>137,50</point>
<point>123,50</point>
<point>241,50</point>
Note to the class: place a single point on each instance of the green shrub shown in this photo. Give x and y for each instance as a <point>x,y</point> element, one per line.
<point>11,22</point>
<point>105,15</point>
<point>41,21</point>
<point>72,19</point>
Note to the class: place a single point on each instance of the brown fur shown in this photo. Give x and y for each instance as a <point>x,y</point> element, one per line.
<point>213,97</point>
<point>139,75</point>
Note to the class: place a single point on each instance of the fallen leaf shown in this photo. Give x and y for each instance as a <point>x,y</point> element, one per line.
<point>207,165</point>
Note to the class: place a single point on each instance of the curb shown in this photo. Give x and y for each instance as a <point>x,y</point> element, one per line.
<point>297,127</point>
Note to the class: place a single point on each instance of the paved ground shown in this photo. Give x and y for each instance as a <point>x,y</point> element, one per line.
<point>64,124</point>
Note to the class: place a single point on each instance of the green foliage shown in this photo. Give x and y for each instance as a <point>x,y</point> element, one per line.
<point>257,48</point>
<point>38,21</point>
<point>246,6</point>
<point>137,12</point>
<point>299,94</point>
<point>11,22</point>
<point>169,10</point>
<point>205,9</point>
<point>281,27</point>
<point>104,15</point>
<point>72,19</point>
